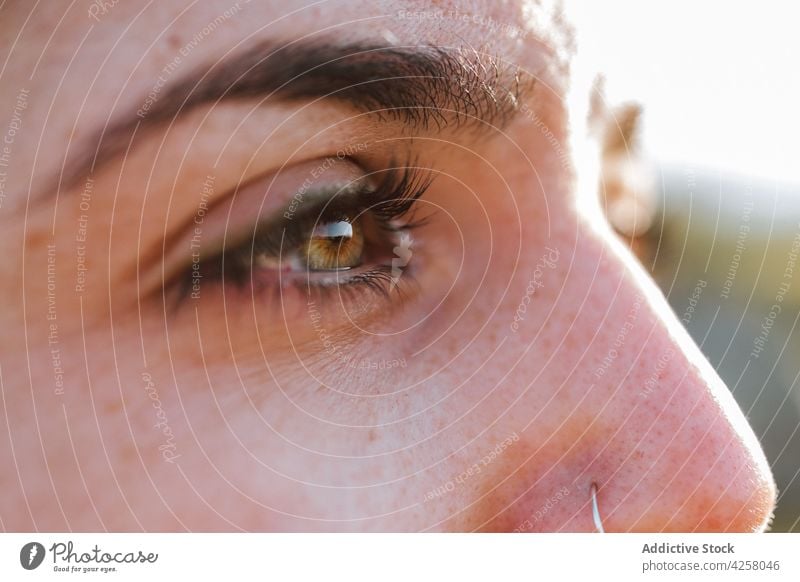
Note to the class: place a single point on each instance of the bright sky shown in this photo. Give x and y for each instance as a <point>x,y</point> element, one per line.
<point>720,81</point>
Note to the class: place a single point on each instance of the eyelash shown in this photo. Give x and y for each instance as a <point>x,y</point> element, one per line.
<point>390,205</point>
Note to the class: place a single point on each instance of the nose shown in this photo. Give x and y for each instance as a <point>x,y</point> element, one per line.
<point>634,407</point>
<point>671,450</point>
<point>676,453</point>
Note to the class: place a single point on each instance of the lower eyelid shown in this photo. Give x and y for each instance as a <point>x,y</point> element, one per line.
<point>359,293</point>
<point>333,278</point>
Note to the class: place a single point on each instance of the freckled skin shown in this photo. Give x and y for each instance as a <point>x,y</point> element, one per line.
<point>240,420</point>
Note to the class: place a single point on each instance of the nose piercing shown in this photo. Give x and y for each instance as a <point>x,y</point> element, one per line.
<point>598,523</point>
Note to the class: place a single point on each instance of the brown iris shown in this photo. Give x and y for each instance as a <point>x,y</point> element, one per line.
<point>335,245</point>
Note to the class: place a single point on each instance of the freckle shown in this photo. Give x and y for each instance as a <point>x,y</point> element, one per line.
<point>372,436</point>
<point>113,407</point>
<point>174,41</point>
<point>127,454</point>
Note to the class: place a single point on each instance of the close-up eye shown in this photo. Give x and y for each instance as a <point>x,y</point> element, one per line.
<point>332,266</point>
<point>352,233</point>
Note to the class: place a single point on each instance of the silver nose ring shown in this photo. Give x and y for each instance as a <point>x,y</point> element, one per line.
<point>598,523</point>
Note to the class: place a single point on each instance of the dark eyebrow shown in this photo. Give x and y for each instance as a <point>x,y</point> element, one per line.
<point>420,86</point>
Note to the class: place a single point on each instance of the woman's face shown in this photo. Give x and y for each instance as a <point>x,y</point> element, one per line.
<point>329,267</point>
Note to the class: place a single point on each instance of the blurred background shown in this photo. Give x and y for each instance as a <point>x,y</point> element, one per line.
<point>705,183</point>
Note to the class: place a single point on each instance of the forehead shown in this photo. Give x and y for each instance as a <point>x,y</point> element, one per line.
<point>91,62</point>
<point>132,40</point>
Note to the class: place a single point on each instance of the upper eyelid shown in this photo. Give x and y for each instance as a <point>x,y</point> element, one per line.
<point>393,196</point>
<point>307,217</point>
<point>325,198</point>
<point>228,216</point>
<point>399,190</point>
<point>353,198</point>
